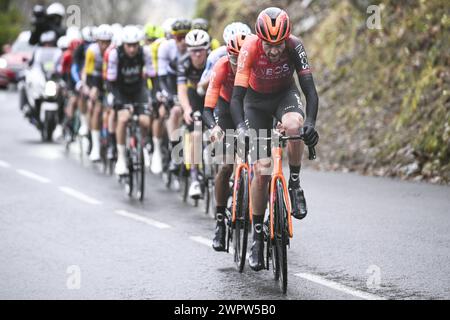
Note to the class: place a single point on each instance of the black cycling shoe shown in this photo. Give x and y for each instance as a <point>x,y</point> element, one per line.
<point>298,201</point>
<point>256,259</point>
<point>219,237</point>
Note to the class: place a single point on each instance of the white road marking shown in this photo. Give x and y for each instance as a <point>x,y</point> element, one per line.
<point>151,222</point>
<point>201,240</point>
<point>4,164</point>
<point>33,176</point>
<point>208,243</point>
<point>80,196</point>
<point>339,287</point>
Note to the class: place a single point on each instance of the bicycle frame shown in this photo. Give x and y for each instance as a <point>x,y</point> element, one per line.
<point>277,175</point>
<point>237,175</point>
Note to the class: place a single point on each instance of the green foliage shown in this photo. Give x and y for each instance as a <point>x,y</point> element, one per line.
<point>384,94</point>
<point>10,22</point>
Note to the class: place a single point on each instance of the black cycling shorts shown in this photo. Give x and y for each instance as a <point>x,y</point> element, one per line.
<point>261,109</point>
<point>123,97</point>
<point>96,82</point>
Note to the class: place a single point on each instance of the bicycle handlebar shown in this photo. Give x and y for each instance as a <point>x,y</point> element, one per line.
<point>311,150</point>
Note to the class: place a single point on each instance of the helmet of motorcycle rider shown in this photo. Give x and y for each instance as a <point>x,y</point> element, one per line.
<point>56,9</point>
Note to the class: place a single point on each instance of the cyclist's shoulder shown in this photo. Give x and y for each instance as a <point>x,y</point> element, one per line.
<point>294,42</point>
<point>222,64</point>
<point>217,53</point>
<point>251,44</point>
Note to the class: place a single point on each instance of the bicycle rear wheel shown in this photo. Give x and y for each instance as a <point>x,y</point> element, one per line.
<point>240,236</point>
<point>281,239</point>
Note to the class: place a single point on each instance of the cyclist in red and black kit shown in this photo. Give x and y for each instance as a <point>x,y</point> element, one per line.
<point>218,95</point>
<point>264,89</point>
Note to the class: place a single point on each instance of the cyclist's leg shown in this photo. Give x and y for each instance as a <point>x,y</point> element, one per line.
<point>197,104</point>
<point>258,114</point>
<point>158,116</point>
<point>291,115</point>
<point>222,189</point>
<point>123,115</point>
<point>95,98</point>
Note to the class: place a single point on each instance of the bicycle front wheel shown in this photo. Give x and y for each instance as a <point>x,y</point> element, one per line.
<point>140,172</point>
<point>281,239</point>
<point>240,236</point>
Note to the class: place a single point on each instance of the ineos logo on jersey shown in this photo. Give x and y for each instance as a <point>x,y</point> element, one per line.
<point>273,72</point>
<point>303,58</point>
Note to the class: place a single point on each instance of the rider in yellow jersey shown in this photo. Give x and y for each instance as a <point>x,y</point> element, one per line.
<point>154,38</point>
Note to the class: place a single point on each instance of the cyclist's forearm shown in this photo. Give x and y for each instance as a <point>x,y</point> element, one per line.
<point>183,96</point>
<point>74,70</point>
<point>237,105</point>
<point>312,99</point>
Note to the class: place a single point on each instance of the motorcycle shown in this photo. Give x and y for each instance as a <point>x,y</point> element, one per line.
<point>40,94</point>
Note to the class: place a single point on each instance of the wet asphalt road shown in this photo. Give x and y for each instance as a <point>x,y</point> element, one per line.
<point>67,231</point>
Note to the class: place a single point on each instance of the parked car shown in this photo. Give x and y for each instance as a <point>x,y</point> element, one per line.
<point>14,62</point>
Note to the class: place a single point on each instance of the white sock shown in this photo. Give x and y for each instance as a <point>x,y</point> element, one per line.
<point>83,119</point>
<point>95,134</point>
<point>121,150</point>
<point>157,143</point>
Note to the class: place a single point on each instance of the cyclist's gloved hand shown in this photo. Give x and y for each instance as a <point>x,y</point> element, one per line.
<point>79,85</point>
<point>242,129</point>
<point>216,134</point>
<point>311,137</point>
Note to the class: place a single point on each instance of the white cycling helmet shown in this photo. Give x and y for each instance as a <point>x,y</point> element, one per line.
<point>103,33</point>
<point>235,28</point>
<point>132,34</point>
<point>198,39</point>
<point>48,36</point>
<point>88,34</point>
<point>63,43</point>
<point>167,26</point>
<point>56,9</point>
<point>117,34</point>
<point>73,33</point>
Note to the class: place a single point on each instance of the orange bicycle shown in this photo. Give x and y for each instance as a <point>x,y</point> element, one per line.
<point>279,229</point>
<point>241,215</point>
